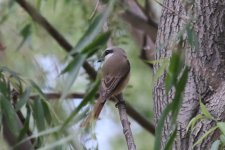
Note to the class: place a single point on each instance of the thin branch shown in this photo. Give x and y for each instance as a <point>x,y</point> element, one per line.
<point>145,44</point>
<point>142,9</point>
<point>140,23</point>
<point>125,123</point>
<point>50,96</point>
<point>36,16</point>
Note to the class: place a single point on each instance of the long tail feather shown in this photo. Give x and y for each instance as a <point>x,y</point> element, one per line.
<point>94,114</point>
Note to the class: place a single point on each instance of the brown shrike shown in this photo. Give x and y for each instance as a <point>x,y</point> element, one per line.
<point>115,76</point>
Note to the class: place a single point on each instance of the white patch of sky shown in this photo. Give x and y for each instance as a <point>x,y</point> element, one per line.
<point>51,67</point>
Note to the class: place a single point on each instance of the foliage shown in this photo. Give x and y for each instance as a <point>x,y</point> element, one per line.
<point>41,121</point>
<point>205,115</point>
<point>15,95</point>
<point>176,77</point>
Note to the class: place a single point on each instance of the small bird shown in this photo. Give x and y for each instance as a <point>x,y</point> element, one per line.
<point>115,76</point>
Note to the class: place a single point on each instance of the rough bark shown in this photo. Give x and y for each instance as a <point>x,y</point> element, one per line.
<point>206,76</point>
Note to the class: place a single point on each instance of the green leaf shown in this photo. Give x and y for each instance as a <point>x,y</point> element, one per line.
<point>160,125</point>
<point>222,139</point>
<point>4,89</point>
<point>60,142</point>
<point>177,101</point>
<point>97,43</point>
<point>26,31</point>
<point>25,128</point>
<point>215,145</point>
<point>205,111</point>
<point>47,112</point>
<point>16,83</point>
<point>169,144</point>
<point>72,69</point>
<point>38,114</point>
<point>93,30</point>
<point>193,121</point>
<point>38,89</point>
<point>174,69</point>
<point>38,134</point>
<point>9,115</point>
<point>192,37</point>
<point>23,99</point>
<point>90,95</point>
<point>221,126</point>
<point>205,135</point>
<point>163,65</point>
<point>38,4</point>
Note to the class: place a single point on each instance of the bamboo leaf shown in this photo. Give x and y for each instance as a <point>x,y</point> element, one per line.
<point>205,135</point>
<point>215,145</point>
<point>205,111</point>
<point>90,95</point>
<point>169,144</point>
<point>222,139</point>
<point>23,99</point>
<point>38,4</point>
<point>47,112</point>
<point>59,142</point>
<point>97,43</point>
<point>94,29</point>
<point>39,134</point>
<point>26,124</point>
<point>177,101</point>
<point>26,31</point>
<point>160,125</point>
<point>174,69</point>
<point>9,115</point>
<point>193,121</point>
<point>192,37</point>
<point>221,126</point>
<point>38,89</point>
<point>161,70</point>
<point>72,69</point>
<point>38,114</point>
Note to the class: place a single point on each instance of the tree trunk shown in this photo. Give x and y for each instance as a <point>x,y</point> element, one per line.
<point>207,63</point>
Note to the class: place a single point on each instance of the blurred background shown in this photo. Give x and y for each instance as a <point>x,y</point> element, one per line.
<point>29,50</point>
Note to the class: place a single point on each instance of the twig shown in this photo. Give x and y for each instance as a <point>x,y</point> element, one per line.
<point>142,9</point>
<point>58,95</point>
<point>125,123</point>
<point>21,122</point>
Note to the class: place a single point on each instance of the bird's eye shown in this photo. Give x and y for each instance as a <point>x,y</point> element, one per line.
<point>108,51</point>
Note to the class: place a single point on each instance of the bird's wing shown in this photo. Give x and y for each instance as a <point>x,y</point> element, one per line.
<point>110,82</point>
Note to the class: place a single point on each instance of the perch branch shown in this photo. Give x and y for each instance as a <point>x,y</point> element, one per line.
<point>125,123</point>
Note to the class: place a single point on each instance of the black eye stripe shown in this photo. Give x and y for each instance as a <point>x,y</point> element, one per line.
<point>108,51</point>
